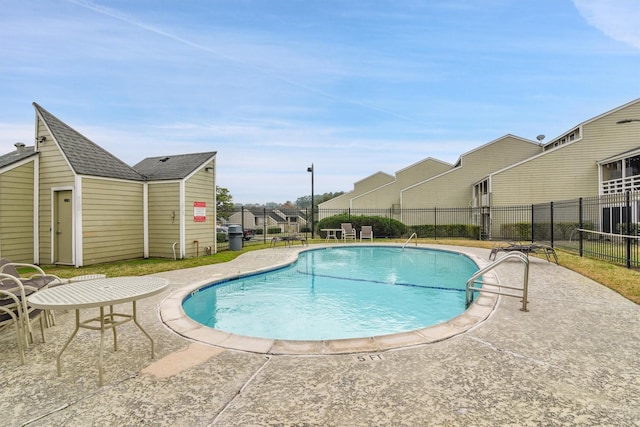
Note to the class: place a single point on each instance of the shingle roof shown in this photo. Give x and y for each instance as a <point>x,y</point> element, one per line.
<point>16,156</point>
<point>85,157</point>
<point>177,166</point>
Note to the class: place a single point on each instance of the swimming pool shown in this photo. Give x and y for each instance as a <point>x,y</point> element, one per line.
<point>337,293</point>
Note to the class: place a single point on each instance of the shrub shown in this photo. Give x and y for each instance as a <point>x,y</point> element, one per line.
<point>541,230</point>
<point>446,231</point>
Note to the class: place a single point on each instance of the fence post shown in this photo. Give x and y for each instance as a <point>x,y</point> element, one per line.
<point>242,220</point>
<point>551,205</point>
<point>264,225</point>
<point>628,226</point>
<point>581,227</point>
<point>532,223</point>
<point>435,223</point>
<point>389,216</point>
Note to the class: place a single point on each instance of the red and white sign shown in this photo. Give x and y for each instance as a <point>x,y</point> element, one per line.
<point>199,211</point>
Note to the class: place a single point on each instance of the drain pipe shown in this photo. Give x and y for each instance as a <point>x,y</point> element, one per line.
<point>197,243</point>
<point>173,247</point>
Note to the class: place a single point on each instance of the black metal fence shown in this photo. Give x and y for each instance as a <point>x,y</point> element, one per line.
<point>605,227</point>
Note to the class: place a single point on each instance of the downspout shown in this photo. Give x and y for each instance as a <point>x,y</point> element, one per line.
<point>77,249</point>
<point>215,210</point>
<point>145,220</point>
<point>182,219</point>
<point>36,210</point>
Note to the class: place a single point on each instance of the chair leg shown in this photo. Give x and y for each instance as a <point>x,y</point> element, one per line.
<point>20,342</point>
<point>19,336</point>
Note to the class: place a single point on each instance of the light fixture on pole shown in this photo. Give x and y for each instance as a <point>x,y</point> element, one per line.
<point>310,169</point>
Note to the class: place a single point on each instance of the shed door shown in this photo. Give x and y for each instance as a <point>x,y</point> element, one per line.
<point>62,222</point>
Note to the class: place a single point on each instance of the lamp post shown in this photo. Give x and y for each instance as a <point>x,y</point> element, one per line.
<point>310,169</point>
<point>628,204</point>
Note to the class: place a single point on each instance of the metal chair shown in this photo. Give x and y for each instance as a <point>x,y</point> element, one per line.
<point>348,232</point>
<point>366,232</point>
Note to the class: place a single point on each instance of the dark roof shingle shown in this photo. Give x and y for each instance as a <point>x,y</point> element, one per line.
<point>177,166</point>
<point>85,157</point>
<point>17,155</point>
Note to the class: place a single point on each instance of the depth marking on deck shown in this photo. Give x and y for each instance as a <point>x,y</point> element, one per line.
<point>368,357</point>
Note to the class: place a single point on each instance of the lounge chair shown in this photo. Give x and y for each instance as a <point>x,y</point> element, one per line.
<point>526,248</point>
<point>348,232</point>
<point>288,240</point>
<point>366,232</point>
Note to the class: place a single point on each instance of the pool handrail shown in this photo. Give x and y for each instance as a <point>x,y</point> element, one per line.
<point>411,237</point>
<point>525,288</point>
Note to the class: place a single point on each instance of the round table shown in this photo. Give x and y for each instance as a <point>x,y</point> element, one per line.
<point>99,293</point>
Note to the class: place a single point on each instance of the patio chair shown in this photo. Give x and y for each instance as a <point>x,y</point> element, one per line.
<point>366,232</point>
<point>13,282</point>
<point>24,312</point>
<point>348,232</point>
<point>37,279</point>
<point>11,314</point>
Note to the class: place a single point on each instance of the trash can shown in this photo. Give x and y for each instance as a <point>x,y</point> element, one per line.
<point>235,237</point>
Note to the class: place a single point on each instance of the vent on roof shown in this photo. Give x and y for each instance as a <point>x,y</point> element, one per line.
<point>20,147</point>
<point>164,159</point>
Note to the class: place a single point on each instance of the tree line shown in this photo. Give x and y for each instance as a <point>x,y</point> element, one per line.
<point>226,207</point>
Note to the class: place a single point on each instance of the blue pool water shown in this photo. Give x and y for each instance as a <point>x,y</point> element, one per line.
<point>339,292</point>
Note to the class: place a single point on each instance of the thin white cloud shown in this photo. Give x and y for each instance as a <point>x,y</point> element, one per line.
<point>618,19</point>
<point>116,14</point>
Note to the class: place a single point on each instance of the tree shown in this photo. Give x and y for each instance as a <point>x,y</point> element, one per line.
<point>287,205</point>
<point>304,202</point>
<point>224,202</point>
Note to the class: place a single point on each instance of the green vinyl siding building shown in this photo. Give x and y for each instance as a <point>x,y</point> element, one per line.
<point>80,205</point>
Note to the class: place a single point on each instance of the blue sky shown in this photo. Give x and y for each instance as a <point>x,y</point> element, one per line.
<point>354,87</point>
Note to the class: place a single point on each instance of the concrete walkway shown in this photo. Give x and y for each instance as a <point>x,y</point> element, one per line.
<point>573,359</point>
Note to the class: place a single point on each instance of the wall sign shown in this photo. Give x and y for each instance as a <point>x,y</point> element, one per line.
<point>199,211</point>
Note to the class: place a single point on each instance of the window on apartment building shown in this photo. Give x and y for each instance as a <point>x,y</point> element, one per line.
<point>632,166</point>
<point>612,170</point>
<point>484,187</point>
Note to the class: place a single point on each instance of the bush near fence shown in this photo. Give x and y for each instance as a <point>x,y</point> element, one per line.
<point>446,231</point>
<point>382,227</point>
<point>541,230</point>
<point>270,230</point>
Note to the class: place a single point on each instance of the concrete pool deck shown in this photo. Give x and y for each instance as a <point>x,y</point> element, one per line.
<point>573,359</point>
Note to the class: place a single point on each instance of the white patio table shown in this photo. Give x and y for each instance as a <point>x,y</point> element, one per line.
<point>99,293</point>
<point>332,233</point>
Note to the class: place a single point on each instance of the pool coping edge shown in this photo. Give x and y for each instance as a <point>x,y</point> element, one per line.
<point>173,317</point>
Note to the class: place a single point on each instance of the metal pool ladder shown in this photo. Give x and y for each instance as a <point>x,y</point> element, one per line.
<point>471,288</point>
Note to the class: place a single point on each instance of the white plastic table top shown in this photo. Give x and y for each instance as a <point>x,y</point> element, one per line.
<point>97,292</point>
<point>332,233</point>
